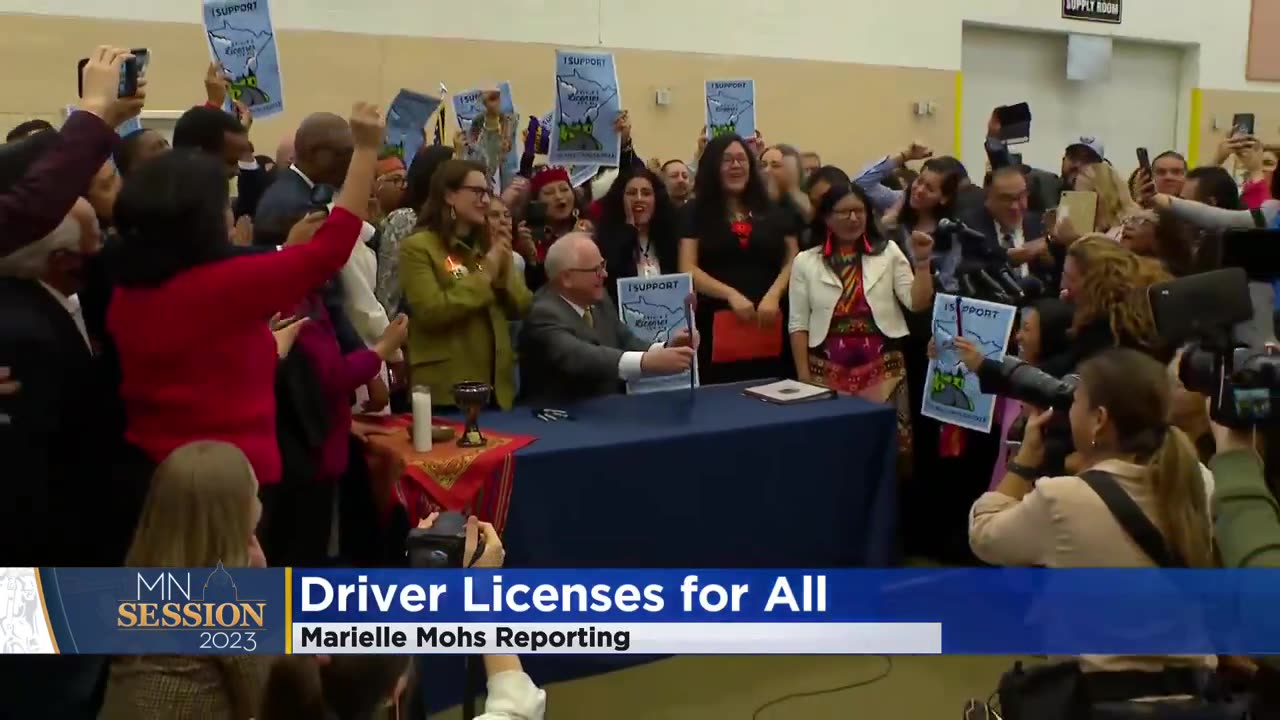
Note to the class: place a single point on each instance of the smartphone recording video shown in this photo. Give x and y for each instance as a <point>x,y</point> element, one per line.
<point>1242,124</point>
<point>130,71</point>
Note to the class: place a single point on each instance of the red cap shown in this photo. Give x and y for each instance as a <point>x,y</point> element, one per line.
<point>545,177</point>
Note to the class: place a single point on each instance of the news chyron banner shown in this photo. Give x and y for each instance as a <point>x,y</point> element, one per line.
<point>651,612</point>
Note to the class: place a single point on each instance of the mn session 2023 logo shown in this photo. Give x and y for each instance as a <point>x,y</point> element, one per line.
<point>211,605</point>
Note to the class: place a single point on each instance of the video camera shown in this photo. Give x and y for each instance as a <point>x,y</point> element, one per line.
<point>984,274</point>
<point>1243,383</point>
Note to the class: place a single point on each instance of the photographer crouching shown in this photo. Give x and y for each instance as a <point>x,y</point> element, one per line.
<point>1141,500</point>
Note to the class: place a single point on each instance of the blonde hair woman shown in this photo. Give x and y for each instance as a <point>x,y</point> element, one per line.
<point>202,510</point>
<point>1115,203</point>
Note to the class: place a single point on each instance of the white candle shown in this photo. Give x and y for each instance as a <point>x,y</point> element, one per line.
<point>422,418</point>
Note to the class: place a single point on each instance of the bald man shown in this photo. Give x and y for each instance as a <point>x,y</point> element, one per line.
<point>323,146</point>
<point>284,152</point>
<point>573,346</point>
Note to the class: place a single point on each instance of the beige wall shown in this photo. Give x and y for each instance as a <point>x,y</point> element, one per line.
<point>1224,104</point>
<point>849,113</point>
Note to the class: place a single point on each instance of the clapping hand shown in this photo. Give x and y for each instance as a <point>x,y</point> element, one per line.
<point>285,331</point>
<point>388,345</point>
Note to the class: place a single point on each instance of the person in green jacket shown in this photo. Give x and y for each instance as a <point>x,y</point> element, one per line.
<point>461,290</point>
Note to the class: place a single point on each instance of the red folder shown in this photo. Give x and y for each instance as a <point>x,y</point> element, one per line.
<point>733,340</point>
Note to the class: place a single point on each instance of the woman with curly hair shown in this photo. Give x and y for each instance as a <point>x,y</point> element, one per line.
<point>1107,284</point>
<point>637,230</point>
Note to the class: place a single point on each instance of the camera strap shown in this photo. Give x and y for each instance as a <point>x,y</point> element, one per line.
<point>1132,519</point>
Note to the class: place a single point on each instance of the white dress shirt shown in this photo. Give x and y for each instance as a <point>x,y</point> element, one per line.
<point>1014,239</point>
<point>629,365</point>
<point>72,306</point>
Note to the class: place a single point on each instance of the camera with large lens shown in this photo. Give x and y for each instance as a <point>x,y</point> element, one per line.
<point>1024,382</point>
<point>1027,383</point>
<point>1198,312</point>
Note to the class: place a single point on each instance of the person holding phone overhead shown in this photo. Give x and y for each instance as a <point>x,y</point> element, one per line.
<point>736,246</point>
<point>846,322</point>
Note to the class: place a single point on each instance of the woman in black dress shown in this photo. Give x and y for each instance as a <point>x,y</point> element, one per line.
<point>637,228</point>
<point>739,249</point>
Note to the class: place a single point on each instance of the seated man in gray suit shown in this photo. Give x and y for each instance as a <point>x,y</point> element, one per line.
<point>572,344</point>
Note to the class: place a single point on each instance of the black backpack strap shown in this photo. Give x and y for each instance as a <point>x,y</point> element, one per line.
<point>1132,519</point>
<point>1259,220</point>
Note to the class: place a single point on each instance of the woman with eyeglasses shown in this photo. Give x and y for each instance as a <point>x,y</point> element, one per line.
<point>1163,238</point>
<point>846,321</point>
<point>739,248</point>
<point>462,289</point>
<point>388,187</point>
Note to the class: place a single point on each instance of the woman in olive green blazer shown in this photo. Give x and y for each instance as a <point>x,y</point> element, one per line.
<point>461,289</point>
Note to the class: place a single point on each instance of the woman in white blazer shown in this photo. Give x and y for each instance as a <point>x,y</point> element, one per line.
<point>846,319</point>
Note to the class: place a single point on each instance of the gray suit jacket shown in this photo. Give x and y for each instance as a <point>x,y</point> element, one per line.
<point>563,359</point>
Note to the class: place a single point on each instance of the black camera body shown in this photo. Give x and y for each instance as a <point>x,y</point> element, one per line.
<point>1243,384</point>
<point>1198,311</point>
<point>442,545</point>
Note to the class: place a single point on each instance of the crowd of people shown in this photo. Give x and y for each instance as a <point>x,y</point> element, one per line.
<point>181,364</point>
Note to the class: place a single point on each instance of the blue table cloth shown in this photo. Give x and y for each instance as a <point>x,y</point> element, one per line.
<point>708,479</point>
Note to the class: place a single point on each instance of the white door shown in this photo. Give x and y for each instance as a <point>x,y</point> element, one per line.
<point>1136,107</point>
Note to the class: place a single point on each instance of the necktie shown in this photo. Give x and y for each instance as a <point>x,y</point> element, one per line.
<point>590,318</point>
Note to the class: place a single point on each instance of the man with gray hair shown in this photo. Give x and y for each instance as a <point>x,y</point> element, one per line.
<point>56,448</point>
<point>572,344</point>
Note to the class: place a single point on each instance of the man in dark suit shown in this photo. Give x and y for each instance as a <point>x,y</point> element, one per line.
<point>323,147</point>
<point>64,506</point>
<point>572,344</point>
<point>1011,232</point>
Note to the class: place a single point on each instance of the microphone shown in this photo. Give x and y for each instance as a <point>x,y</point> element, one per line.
<point>955,227</point>
<point>996,289</point>
<point>1011,286</point>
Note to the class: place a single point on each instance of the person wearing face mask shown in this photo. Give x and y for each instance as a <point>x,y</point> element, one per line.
<point>679,181</point>
<point>637,233</point>
<point>462,289</point>
<point>739,251</point>
<point>846,323</point>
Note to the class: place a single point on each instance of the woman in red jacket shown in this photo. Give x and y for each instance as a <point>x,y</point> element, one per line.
<point>190,316</point>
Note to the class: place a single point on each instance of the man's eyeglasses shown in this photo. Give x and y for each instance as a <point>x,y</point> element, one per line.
<point>396,180</point>
<point>598,269</point>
